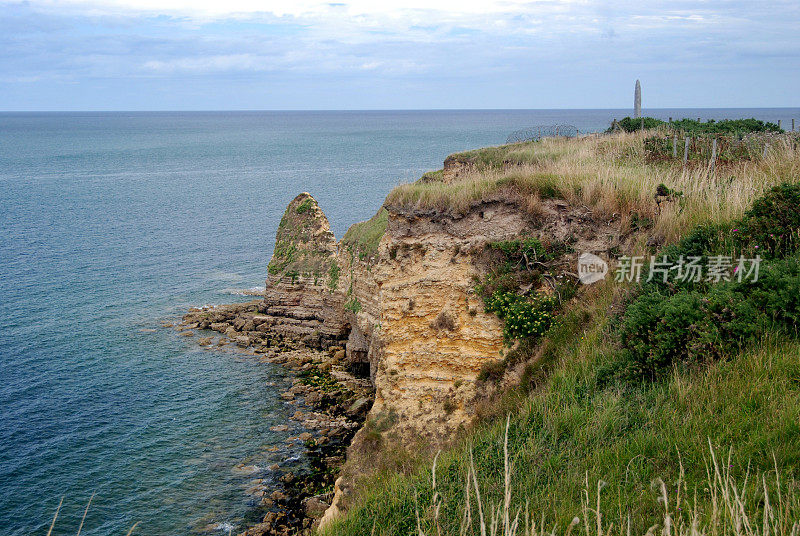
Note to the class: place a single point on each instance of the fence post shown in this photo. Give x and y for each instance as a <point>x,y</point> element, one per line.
<point>764,154</point>
<point>713,155</point>
<point>675,146</point>
<point>779,123</point>
<point>642,123</point>
<point>792,125</point>
<point>686,150</point>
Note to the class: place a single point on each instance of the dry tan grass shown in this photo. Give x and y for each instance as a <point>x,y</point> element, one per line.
<point>609,175</point>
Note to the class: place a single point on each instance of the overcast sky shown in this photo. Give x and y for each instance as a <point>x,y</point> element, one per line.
<point>242,54</point>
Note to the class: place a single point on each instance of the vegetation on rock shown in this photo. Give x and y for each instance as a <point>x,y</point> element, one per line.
<point>511,288</point>
<point>363,238</point>
<point>304,244</point>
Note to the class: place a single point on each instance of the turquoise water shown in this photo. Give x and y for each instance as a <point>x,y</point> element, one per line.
<point>113,223</point>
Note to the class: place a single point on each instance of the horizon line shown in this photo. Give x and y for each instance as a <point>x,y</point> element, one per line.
<point>394,109</point>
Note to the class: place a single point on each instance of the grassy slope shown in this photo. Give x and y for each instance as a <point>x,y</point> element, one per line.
<point>574,429</point>
<point>365,236</point>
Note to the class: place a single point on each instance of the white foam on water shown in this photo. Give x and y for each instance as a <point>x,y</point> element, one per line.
<point>252,291</point>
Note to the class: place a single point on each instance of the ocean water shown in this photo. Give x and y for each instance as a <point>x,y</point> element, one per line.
<point>114,223</point>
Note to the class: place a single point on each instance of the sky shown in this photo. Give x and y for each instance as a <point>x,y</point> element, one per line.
<point>418,54</point>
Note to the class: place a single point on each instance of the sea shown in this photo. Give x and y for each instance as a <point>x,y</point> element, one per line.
<point>113,224</point>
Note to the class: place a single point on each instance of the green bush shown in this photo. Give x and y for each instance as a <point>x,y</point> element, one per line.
<point>773,222</point>
<point>631,124</point>
<point>689,327</point>
<point>507,288</point>
<point>692,321</point>
<point>693,127</point>
<point>725,126</point>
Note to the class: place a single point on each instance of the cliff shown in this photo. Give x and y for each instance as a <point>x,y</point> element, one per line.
<point>301,302</point>
<point>462,288</point>
<point>399,293</point>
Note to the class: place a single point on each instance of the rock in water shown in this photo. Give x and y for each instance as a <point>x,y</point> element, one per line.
<point>299,300</point>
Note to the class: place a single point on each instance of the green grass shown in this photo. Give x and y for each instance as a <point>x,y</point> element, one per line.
<point>575,428</point>
<point>365,236</point>
<point>429,176</point>
<point>496,158</point>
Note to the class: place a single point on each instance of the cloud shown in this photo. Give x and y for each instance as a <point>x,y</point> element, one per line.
<point>297,8</point>
<point>208,64</point>
<point>449,44</point>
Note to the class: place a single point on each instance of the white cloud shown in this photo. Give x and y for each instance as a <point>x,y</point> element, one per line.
<point>208,64</point>
<point>468,44</point>
<point>304,8</point>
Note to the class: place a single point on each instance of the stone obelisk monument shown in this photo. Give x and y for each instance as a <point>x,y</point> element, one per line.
<point>637,100</point>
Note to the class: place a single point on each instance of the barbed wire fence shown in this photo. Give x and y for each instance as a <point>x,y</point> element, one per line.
<point>542,131</point>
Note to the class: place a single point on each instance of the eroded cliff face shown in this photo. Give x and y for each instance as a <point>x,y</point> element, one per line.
<point>408,315</point>
<point>434,334</point>
<point>427,331</point>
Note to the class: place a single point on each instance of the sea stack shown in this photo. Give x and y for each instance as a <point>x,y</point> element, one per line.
<point>637,100</point>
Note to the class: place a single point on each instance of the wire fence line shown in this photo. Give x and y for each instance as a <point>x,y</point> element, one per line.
<point>542,131</point>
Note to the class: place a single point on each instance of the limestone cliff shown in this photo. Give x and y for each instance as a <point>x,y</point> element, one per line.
<point>435,336</point>
<point>399,294</point>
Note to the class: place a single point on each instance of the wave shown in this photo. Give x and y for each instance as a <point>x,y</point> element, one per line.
<point>252,291</point>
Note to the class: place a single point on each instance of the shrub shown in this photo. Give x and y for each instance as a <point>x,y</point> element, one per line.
<point>631,124</point>
<point>773,222</point>
<point>687,321</point>
<point>725,126</point>
<point>689,326</point>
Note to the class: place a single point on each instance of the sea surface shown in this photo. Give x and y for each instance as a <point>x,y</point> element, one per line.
<point>112,224</point>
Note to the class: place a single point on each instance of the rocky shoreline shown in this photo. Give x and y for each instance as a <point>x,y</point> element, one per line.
<point>335,405</point>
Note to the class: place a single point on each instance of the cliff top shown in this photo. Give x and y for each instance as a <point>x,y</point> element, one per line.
<point>612,174</point>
